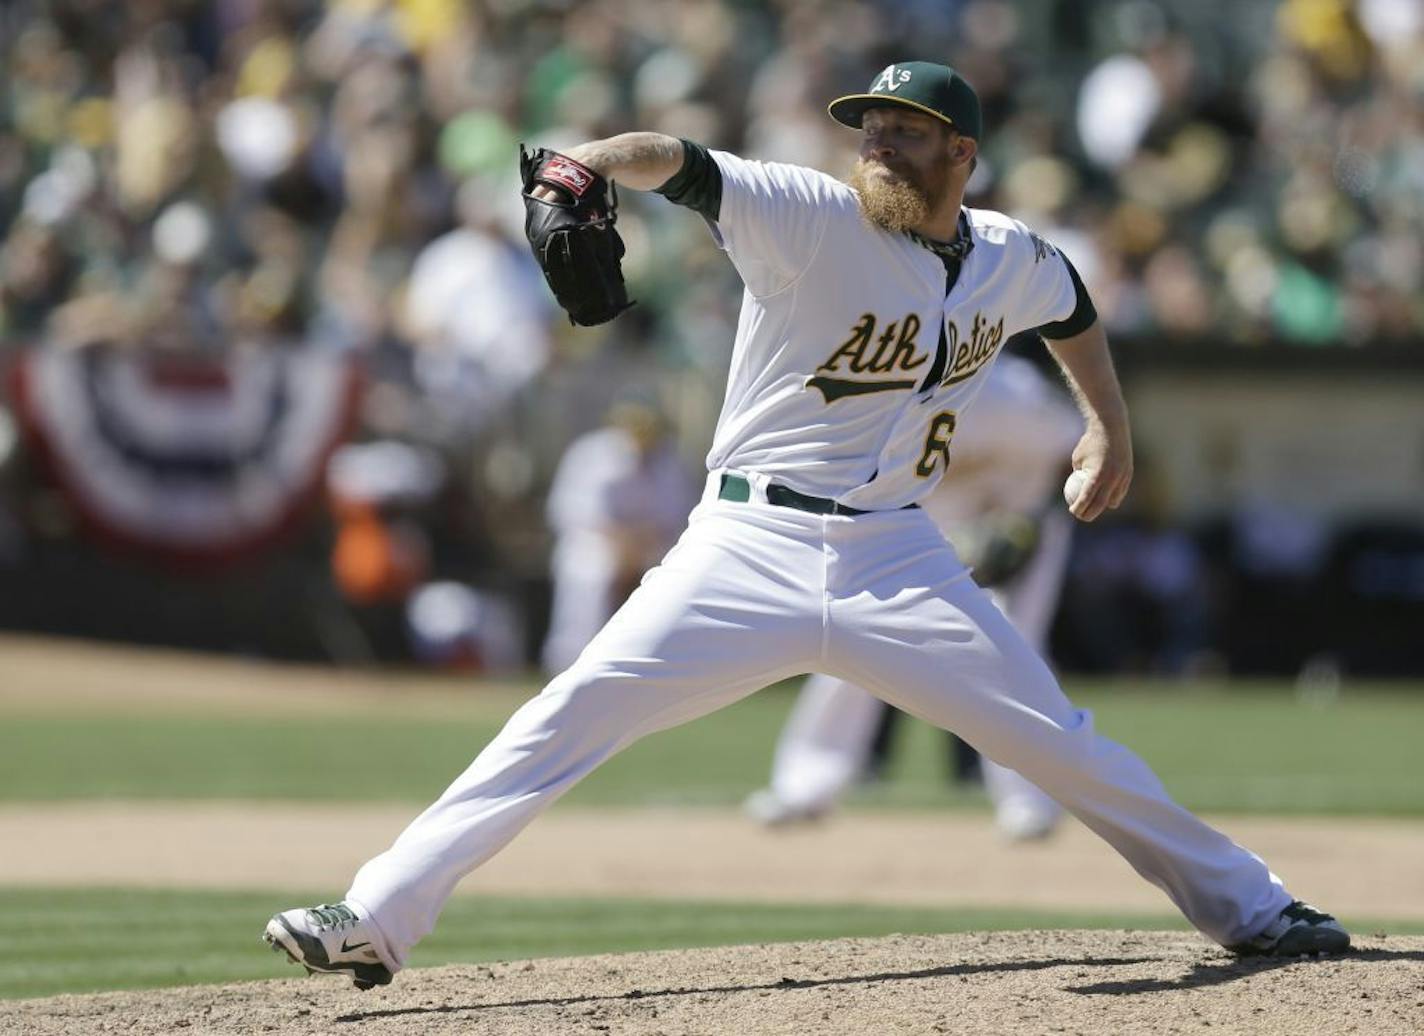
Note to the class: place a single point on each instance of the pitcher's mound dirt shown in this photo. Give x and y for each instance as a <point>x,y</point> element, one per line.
<point>1015,983</point>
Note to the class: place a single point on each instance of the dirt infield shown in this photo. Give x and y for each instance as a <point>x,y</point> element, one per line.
<point>1010,983</point>
<point>1361,868</point>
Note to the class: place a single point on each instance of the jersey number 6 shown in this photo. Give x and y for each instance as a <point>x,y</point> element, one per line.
<point>936,443</point>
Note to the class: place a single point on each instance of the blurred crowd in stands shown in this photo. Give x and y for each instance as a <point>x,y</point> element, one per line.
<point>237,182</point>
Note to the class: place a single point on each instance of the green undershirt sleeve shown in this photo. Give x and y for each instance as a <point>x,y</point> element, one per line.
<point>698,184</point>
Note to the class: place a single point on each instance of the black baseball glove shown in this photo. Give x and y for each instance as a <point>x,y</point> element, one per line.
<point>573,237</point>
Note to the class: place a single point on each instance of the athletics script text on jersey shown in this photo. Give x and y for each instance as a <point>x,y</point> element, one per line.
<point>894,351</point>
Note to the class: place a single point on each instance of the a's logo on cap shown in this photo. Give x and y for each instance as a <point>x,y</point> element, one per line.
<point>890,79</point>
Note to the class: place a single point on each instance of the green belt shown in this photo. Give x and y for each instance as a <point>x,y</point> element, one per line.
<point>735,487</point>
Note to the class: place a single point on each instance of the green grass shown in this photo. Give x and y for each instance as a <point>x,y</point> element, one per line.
<point>54,941</point>
<point>1245,748</point>
<point>74,941</point>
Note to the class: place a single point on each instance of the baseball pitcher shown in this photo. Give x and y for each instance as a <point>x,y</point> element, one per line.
<point>871,313</point>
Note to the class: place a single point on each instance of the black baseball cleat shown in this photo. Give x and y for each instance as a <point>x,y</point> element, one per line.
<point>1299,930</point>
<point>329,939</point>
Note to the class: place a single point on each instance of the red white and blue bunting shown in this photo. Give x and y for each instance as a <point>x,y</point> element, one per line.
<point>198,460</point>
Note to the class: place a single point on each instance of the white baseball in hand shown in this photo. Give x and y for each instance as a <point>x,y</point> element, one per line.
<point>1073,488</point>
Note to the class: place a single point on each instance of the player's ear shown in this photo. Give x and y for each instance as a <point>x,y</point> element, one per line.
<point>962,149</point>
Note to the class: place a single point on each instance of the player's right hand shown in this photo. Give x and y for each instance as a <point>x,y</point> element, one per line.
<point>1105,457</point>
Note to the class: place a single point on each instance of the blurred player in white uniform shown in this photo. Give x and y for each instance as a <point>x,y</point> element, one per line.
<point>873,310</point>
<point>1002,487</point>
<point>619,498</point>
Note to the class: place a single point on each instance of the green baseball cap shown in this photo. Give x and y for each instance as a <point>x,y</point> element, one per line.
<point>936,90</point>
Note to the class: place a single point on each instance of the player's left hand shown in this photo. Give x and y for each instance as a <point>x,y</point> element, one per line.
<point>1105,457</point>
<point>570,217</point>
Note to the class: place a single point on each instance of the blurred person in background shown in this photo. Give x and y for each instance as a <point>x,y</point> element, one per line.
<point>394,200</point>
<point>407,559</point>
<point>381,552</point>
<point>37,275</point>
<point>619,498</point>
<point>476,312</point>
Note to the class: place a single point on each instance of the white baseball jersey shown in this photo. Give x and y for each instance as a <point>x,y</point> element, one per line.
<point>1011,454</point>
<point>839,331</point>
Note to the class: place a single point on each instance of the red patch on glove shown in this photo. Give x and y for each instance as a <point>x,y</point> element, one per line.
<point>568,174</point>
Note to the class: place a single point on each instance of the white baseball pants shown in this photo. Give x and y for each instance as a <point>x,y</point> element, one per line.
<point>826,741</point>
<point>753,593</point>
